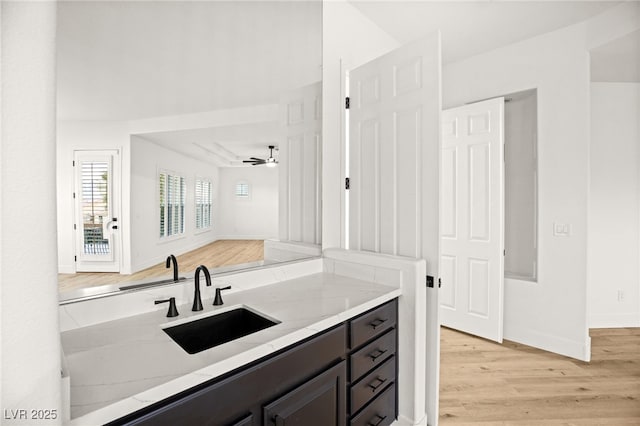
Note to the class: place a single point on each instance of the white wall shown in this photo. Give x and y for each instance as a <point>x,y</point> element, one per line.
<point>30,353</point>
<point>552,313</point>
<point>255,217</point>
<point>549,314</point>
<point>147,159</point>
<point>614,206</point>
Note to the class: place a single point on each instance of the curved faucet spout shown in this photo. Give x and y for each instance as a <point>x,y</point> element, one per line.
<point>172,260</point>
<point>197,301</point>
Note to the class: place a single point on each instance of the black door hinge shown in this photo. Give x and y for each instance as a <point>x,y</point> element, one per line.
<point>347,183</point>
<point>439,283</point>
<point>74,195</point>
<point>75,258</point>
<point>74,227</point>
<point>74,163</point>
<point>429,281</point>
<point>347,102</point>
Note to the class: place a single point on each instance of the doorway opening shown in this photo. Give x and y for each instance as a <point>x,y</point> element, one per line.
<point>521,186</point>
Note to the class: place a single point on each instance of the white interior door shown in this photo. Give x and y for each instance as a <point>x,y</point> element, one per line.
<point>96,198</point>
<point>394,130</point>
<point>472,219</point>
<point>300,165</point>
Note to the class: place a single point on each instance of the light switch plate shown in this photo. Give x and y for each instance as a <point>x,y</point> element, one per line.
<point>561,229</point>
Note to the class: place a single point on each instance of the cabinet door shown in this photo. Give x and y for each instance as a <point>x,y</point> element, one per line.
<point>319,402</point>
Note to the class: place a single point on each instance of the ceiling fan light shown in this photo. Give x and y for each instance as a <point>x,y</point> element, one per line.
<point>271,162</point>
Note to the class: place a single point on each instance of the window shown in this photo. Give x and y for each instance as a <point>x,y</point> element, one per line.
<point>172,199</point>
<point>242,190</point>
<point>203,203</point>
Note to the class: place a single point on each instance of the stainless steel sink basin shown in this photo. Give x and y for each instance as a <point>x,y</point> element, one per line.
<point>206,333</point>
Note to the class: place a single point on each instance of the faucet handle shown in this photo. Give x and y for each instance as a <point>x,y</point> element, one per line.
<point>173,311</point>
<point>218,299</point>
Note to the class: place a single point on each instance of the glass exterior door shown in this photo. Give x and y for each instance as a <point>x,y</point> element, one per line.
<point>96,221</point>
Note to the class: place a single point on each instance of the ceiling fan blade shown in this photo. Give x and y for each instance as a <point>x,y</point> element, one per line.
<point>254,158</point>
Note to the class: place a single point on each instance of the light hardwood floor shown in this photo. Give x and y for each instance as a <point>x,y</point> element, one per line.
<point>484,383</point>
<point>214,255</point>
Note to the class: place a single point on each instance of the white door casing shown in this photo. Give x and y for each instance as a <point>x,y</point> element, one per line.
<point>300,155</point>
<point>394,131</point>
<point>96,207</point>
<point>472,219</point>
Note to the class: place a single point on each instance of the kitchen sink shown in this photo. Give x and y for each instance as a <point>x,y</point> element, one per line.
<point>199,335</point>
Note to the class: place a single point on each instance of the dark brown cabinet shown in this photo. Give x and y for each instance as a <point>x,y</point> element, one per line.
<point>345,375</point>
<point>373,360</point>
<point>318,402</point>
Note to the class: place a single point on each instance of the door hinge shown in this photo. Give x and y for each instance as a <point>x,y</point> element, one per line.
<point>347,183</point>
<point>439,282</point>
<point>74,195</point>
<point>74,227</point>
<point>75,258</point>
<point>429,281</point>
<point>504,252</point>
<point>73,163</point>
<point>347,102</point>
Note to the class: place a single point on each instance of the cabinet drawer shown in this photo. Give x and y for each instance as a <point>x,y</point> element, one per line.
<point>372,384</point>
<point>372,324</point>
<point>373,354</point>
<point>381,412</point>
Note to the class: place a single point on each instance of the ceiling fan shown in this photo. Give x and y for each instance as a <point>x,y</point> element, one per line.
<point>269,162</point>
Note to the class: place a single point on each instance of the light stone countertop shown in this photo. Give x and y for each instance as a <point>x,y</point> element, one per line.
<point>120,366</point>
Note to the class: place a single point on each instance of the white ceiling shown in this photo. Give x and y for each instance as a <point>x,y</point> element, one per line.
<point>223,146</point>
<point>121,60</point>
<point>472,27</point>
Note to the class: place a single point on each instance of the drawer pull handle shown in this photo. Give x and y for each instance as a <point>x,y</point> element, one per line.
<point>377,322</point>
<point>380,420</point>
<point>376,386</point>
<point>377,354</point>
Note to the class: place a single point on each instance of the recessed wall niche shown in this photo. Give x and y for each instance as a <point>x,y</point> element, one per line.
<point>521,186</point>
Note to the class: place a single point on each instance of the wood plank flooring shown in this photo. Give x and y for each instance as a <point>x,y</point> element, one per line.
<point>214,255</point>
<point>484,383</point>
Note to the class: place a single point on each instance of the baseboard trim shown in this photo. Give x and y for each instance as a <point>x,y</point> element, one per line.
<point>66,269</point>
<point>245,237</point>
<point>405,421</point>
<point>550,343</point>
